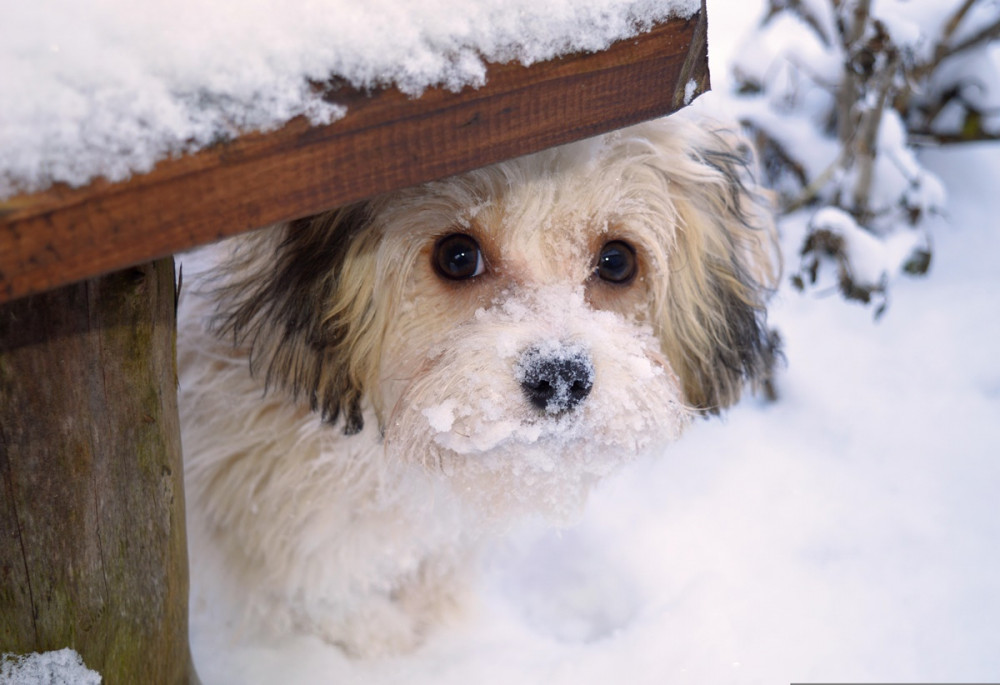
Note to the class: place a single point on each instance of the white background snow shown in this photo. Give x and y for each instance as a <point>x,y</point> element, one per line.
<point>849,532</point>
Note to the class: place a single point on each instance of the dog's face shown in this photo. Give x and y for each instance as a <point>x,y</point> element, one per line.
<point>526,327</point>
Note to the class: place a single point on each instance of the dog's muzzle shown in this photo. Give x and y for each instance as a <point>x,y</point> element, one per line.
<point>555,380</point>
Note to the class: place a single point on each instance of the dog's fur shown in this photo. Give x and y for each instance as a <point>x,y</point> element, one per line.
<point>353,421</point>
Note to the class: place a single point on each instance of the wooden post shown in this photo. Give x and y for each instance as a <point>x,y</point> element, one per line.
<point>92,544</point>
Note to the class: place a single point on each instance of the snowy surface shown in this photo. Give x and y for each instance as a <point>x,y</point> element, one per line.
<point>111,87</point>
<point>848,532</point>
<point>61,667</point>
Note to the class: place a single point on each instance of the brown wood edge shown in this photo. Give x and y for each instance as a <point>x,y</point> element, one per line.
<point>387,141</point>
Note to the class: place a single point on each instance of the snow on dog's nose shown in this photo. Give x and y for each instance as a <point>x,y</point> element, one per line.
<point>557,378</point>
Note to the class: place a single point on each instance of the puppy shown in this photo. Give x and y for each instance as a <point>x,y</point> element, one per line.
<point>369,392</point>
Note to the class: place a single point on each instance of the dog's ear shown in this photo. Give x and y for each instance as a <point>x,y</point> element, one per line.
<point>300,297</point>
<point>723,266</point>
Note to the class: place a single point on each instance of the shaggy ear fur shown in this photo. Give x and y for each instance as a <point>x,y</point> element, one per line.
<point>723,267</point>
<point>301,297</point>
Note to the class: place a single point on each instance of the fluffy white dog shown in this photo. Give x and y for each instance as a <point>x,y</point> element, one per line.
<point>367,392</point>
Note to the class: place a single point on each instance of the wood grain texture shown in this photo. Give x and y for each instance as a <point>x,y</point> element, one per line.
<point>93,551</point>
<point>387,141</point>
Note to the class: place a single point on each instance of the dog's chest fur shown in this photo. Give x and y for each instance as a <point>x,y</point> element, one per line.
<point>319,531</point>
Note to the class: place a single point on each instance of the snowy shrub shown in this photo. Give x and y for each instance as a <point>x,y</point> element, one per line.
<point>837,93</point>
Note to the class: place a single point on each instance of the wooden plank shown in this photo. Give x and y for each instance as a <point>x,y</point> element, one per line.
<point>93,553</point>
<point>387,141</point>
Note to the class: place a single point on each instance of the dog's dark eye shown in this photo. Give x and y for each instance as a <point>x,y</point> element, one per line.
<point>617,262</point>
<point>458,257</point>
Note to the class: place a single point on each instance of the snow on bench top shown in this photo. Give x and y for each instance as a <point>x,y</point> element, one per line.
<point>109,87</point>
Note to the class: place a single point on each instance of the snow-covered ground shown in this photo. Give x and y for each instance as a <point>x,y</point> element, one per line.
<point>848,532</point>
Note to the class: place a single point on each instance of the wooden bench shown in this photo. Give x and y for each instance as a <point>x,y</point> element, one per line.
<point>92,541</point>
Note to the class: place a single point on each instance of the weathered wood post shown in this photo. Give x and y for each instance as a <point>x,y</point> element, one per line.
<point>92,544</point>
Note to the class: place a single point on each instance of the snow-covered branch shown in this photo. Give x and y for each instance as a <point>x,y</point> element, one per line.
<point>836,91</point>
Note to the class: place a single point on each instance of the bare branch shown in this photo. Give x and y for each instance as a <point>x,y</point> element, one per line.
<point>932,138</point>
<point>942,50</point>
<point>811,192</point>
<point>984,35</point>
<point>805,13</point>
<point>866,142</point>
<point>956,19</point>
<point>973,129</point>
<point>855,29</point>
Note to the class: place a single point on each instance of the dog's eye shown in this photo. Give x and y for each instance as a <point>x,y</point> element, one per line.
<point>458,257</point>
<point>617,262</point>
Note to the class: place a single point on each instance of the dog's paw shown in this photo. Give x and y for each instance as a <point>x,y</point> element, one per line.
<point>380,629</point>
<point>389,625</point>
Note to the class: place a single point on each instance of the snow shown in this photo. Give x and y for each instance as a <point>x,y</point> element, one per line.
<point>980,92</point>
<point>866,254</point>
<point>846,533</point>
<point>109,88</point>
<point>60,667</point>
<point>441,417</point>
<point>689,91</point>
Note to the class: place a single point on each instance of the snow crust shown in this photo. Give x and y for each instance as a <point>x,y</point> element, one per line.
<point>61,667</point>
<point>109,88</point>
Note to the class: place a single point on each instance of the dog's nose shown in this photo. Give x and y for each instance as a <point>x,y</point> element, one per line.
<point>556,380</point>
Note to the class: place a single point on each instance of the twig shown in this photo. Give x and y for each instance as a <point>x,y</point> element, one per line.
<point>985,35</point>
<point>956,19</point>
<point>942,50</point>
<point>810,192</point>
<point>867,141</point>
<point>805,13</point>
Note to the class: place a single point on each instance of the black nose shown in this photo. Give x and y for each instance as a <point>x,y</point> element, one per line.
<point>555,380</point>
